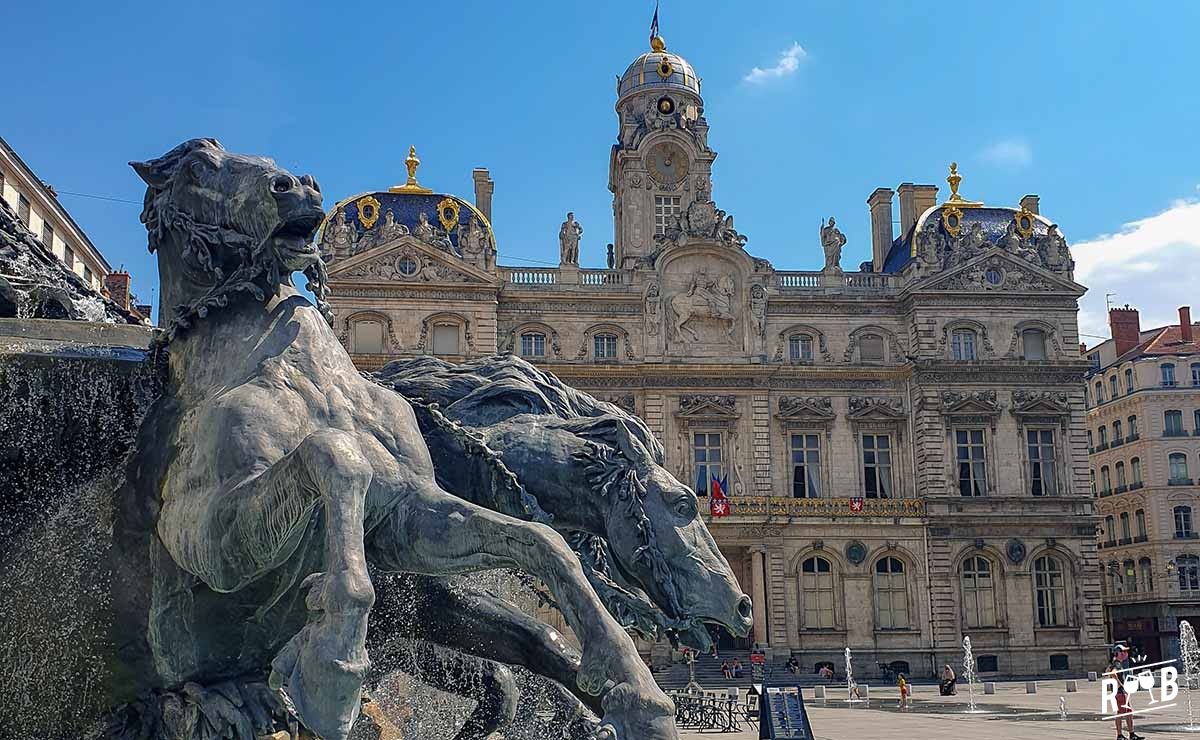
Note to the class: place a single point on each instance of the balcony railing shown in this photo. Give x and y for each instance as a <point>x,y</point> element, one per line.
<point>1120,489</point>
<point>601,277</point>
<point>532,276</point>
<point>847,507</point>
<point>1180,482</point>
<point>1175,433</point>
<point>1133,437</point>
<point>857,281</point>
<point>1188,535</point>
<point>1141,538</point>
<point>1102,446</point>
<point>1126,541</point>
<point>799,279</point>
<point>1136,485</point>
<point>1118,442</point>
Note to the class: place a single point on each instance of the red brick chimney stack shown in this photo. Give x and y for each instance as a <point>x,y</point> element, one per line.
<point>1126,328</point>
<point>118,287</point>
<point>1185,323</point>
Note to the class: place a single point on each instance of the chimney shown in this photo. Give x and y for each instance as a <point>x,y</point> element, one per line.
<point>483,191</point>
<point>1185,323</point>
<point>1030,203</point>
<point>914,200</point>
<point>880,203</point>
<point>117,284</point>
<point>1125,327</point>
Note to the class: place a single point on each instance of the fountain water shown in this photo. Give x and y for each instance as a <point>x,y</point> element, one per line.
<point>969,674</point>
<point>850,685</point>
<point>1062,707</point>
<point>1189,652</point>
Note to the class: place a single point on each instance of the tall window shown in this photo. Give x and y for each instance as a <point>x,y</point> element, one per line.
<point>800,348</point>
<point>706,447</point>
<point>1114,386</point>
<point>962,344</point>
<point>891,594</point>
<point>605,346</point>
<point>665,209</point>
<point>1033,343</point>
<point>69,257</point>
<point>1099,392</point>
<point>972,469</point>
<point>1147,570</point>
<point>533,344</point>
<point>1049,590</point>
<point>1129,380</point>
<point>1196,421</point>
<point>978,592</point>
<point>806,466</point>
<point>1090,444</point>
<point>1183,522</point>
<point>446,339</point>
<point>1043,473</point>
<point>368,337</point>
<point>870,348</point>
<point>1131,585</point>
<point>816,583</point>
<point>1104,435</point>
<point>1126,532</point>
<point>877,465</point>
<point>1135,470</point>
<point>1196,373</point>
<point>1092,478</point>
<point>1105,479</point>
<point>1189,572</point>
<point>48,235</point>
<point>1173,423</point>
<point>1132,427</point>
<point>1177,462</point>
<point>1168,374</point>
<point>1117,431</point>
<point>1110,532</point>
<point>23,209</point>
<point>1121,482</point>
<point>1139,518</point>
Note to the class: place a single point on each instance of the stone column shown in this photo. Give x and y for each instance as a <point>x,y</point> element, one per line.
<point>758,592</point>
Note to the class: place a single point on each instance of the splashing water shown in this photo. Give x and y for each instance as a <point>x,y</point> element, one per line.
<point>850,685</point>
<point>1062,707</point>
<point>969,674</point>
<point>1189,651</point>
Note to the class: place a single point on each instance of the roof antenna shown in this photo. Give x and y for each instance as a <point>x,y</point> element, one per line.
<point>1107,302</point>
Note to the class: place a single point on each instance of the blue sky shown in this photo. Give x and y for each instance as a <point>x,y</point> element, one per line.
<point>1091,105</point>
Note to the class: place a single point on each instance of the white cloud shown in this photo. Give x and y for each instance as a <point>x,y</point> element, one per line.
<point>789,62</point>
<point>1011,152</point>
<point>1152,264</point>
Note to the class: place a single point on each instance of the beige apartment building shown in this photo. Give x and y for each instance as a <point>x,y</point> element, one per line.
<point>904,443</point>
<point>1143,400</point>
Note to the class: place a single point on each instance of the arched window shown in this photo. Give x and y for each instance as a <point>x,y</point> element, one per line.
<point>1126,532</point>
<point>1117,438</point>
<point>447,339</point>
<point>1129,381</point>
<point>1103,435</point>
<point>1196,373</point>
<point>1033,344</point>
<point>1139,520</point>
<point>1133,430</point>
<point>978,592</point>
<point>1196,420</point>
<point>368,337</point>
<point>1099,392</point>
<point>1189,572</point>
<point>1173,423</point>
<point>1147,571</point>
<point>1114,386</point>
<point>1090,441</point>
<point>891,594</point>
<point>1050,593</point>
<point>533,344</point>
<point>1179,468</point>
<point>1131,581</point>
<point>962,344</point>
<point>1105,480</point>
<point>1167,370</point>
<point>1087,396</point>
<point>1121,483</point>
<point>800,348</point>
<point>1110,533</point>
<point>816,584</point>
<point>1183,522</point>
<point>1116,582</point>
<point>604,346</point>
<point>1135,470</point>
<point>870,348</point>
<point>1092,476</point>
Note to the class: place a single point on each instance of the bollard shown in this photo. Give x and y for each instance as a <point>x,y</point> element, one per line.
<point>818,692</point>
<point>989,687</point>
<point>864,691</point>
<point>1072,687</point>
<point>1092,676</point>
<point>1031,687</point>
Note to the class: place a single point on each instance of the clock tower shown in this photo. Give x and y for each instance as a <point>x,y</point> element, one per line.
<point>661,162</point>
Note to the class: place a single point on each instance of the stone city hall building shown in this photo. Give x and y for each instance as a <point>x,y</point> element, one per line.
<point>905,445</point>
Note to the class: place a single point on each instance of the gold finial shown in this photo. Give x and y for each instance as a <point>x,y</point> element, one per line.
<point>954,179</point>
<point>411,186</point>
<point>657,44</point>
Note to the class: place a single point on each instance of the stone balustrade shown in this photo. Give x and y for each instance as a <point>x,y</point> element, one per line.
<point>601,277</point>
<point>793,280</point>
<point>531,276</point>
<point>823,507</point>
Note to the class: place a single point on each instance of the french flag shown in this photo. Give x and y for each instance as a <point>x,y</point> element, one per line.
<point>718,502</point>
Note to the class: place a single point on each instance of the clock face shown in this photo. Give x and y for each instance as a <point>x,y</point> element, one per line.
<point>667,163</point>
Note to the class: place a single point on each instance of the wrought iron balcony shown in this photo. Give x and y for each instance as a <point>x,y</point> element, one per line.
<point>1102,446</point>
<point>847,507</point>
<point>1118,442</point>
<point>1136,485</point>
<point>1175,433</point>
<point>1180,482</point>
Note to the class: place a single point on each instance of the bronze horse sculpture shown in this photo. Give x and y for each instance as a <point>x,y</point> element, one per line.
<point>270,473</point>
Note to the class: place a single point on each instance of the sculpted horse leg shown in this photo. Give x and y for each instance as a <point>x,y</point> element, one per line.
<point>258,526</point>
<point>440,534</point>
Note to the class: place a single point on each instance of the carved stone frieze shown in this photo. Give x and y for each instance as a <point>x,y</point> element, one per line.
<point>869,407</point>
<point>801,407</point>
<point>1040,402</point>
<point>621,400</point>
<point>691,404</point>
<point>970,402</point>
<point>406,267</point>
<point>996,274</point>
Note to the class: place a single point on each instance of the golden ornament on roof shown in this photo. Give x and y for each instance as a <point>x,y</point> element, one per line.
<point>954,179</point>
<point>411,186</point>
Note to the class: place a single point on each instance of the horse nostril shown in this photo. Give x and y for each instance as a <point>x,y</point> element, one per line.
<point>745,608</point>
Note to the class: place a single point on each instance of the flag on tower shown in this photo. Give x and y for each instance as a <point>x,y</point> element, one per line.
<point>654,23</point>
<point>718,502</point>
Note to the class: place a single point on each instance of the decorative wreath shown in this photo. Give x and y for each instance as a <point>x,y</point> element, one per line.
<point>447,211</point>
<point>368,211</point>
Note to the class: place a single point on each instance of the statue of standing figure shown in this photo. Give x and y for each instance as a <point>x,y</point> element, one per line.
<point>832,241</point>
<point>568,240</point>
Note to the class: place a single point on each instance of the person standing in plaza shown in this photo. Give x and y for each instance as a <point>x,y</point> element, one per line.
<point>903,684</point>
<point>1124,710</point>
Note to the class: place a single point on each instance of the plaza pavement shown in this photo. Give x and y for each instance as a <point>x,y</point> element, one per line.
<point>831,720</point>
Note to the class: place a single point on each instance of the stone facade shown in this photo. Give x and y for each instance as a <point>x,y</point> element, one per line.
<point>832,405</point>
<point>1144,440</point>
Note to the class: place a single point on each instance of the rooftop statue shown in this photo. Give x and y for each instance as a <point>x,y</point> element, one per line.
<point>568,240</point>
<point>832,241</point>
<point>270,473</point>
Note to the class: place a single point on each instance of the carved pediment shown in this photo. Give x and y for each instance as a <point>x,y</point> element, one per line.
<point>870,408</point>
<point>978,402</point>
<point>1044,403</point>
<point>799,408</point>
<point>408,260</point>
<point>708,406</point>
<point>998,271</point>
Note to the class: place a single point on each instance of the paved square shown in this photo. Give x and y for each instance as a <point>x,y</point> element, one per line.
<point>832,720</point>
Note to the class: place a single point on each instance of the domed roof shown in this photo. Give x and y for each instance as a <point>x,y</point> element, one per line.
<point>658,69</point>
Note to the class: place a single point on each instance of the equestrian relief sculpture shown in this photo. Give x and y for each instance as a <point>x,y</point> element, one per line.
<point>271,473</point>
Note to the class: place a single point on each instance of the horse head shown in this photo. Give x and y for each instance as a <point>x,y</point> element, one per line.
<point>224,224</point>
